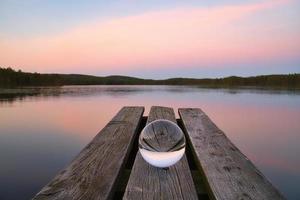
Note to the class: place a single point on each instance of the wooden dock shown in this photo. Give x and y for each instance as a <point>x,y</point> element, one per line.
<point>110,166</point>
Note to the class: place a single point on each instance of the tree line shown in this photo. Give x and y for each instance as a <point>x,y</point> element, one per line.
<point>12,78</point>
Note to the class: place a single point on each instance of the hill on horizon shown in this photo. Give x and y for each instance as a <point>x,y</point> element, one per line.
<point>11,78</point>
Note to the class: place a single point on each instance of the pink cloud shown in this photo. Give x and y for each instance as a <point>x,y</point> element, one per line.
<point>182,36</point>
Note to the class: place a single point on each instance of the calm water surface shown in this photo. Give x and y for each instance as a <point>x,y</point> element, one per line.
<point>42,129</point>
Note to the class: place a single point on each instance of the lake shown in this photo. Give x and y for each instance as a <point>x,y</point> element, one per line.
<point>43,128</point>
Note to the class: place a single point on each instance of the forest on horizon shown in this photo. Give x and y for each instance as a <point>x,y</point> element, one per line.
<point>12,78</point>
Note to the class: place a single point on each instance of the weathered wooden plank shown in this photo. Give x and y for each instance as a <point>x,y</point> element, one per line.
<point>229,173</point>
<point>148,182</point>
<point>93,173</point>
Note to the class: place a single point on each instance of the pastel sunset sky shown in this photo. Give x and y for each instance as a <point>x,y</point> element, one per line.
<point>153,38</point>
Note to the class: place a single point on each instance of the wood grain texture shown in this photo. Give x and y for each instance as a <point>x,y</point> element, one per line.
<point>93,173</point>
<point>229,173</point>
<point>148,182</point>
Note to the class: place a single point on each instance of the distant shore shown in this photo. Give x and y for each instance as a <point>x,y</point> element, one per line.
<point>13,78</point>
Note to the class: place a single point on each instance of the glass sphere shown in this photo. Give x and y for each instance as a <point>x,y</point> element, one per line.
<point>162,143</point>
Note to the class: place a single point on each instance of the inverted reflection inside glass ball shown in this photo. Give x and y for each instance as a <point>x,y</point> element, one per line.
<point>162,143</point>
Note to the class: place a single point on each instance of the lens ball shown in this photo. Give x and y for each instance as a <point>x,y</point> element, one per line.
<point>162,143</point>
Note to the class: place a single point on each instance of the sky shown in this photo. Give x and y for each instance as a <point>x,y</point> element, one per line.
<point>151,39</point>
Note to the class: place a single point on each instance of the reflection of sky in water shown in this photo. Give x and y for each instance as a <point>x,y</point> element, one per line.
<point>41,130</point>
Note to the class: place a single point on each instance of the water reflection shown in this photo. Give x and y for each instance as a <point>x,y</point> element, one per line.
<point>19,94</point>
<point>42,129</point>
